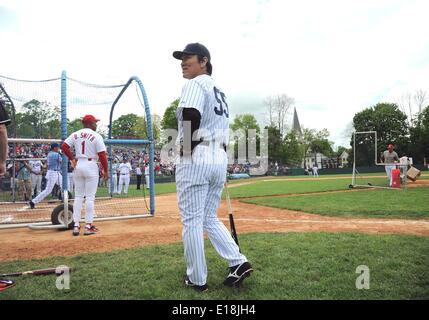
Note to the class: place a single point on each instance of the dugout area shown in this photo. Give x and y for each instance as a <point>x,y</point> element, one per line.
<point>47,111</point>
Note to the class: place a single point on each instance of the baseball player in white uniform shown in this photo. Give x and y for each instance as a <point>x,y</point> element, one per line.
<point>146,174</point>
<point>124,176</point>
<point>115,167</point>
<point>36,177</point>
<point>203,125</point>
<point>315,170</point>
<point>89,147</point>
<point>70,179</point>
<point>53,176</point>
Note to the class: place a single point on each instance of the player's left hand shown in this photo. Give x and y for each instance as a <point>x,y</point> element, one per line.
<point>104,175</point>
<point>73,163</point>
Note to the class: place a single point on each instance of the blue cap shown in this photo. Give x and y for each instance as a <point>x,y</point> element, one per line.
<point>54,145</point>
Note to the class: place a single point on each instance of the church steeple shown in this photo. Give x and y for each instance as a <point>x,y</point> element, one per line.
<point>296,126</point>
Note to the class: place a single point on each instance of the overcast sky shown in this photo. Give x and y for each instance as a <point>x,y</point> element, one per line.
<point>334,58</point>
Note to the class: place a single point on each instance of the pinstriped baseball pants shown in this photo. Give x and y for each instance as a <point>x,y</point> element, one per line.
<point>199,189</point>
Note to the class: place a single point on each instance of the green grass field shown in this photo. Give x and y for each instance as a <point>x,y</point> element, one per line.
<point>160,188</point>
<point>289,186</point>
<point>376,203</point>
<point>287,266</point>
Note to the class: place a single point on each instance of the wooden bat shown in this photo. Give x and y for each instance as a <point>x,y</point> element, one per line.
<point>231,217</point>
<point>38,272</point>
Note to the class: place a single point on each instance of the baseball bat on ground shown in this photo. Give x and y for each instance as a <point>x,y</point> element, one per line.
<point>38,272</point>
<point>231,217</point>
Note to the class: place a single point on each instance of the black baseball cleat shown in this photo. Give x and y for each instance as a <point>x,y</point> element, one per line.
<point>188,283</point>
<point>237,274</point>
<point>76,230</point>
<point>31,204</point>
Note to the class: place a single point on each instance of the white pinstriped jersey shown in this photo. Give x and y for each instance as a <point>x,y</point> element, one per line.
<point>86,143</point>
<point>202,94</point>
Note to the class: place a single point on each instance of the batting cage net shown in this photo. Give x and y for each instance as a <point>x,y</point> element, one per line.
<point>46,112</point>
<point>369,168</point>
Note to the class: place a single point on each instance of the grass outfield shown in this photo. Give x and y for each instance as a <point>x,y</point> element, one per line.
<point>273,187</point>
<point>160,188</point>
<point>375,203</point>
<point>287,266</point>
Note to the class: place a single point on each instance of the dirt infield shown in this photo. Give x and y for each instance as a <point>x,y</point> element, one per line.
<point>165,227</point>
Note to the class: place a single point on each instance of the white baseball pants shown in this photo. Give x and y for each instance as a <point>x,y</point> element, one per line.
<point>52,178</point>
<point>71,181</point>
<point>124,179</point>
<point>36,183</point>
<point>389,169</point>
<point>86,183</point>
<point>199,189</point>
<point>115,183</point>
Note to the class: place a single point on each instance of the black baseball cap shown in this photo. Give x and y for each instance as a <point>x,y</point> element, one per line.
<point>191,49</point>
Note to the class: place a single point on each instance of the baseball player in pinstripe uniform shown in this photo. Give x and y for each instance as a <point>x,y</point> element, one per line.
<point>53,176</point>
<point>203,125</point>
<point>89,147</point>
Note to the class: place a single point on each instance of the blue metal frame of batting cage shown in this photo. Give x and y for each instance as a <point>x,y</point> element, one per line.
<point>149,141</point>
<point>110,141</point>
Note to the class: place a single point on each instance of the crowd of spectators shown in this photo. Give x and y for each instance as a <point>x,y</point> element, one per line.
<point>136,157</point>
<point>139,157</point>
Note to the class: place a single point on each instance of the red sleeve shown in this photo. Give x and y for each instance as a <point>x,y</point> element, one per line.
<point>103,160</point>
<point>67,152</point>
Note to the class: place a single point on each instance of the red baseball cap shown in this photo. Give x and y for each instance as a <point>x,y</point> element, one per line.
<point>89,118</point>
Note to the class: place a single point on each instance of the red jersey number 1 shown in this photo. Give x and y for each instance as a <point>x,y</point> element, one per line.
<point>83,147</point>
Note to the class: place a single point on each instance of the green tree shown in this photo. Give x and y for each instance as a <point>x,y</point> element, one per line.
<point>125,127</point>
<point>321,144</point>
<point>24,128</point>
<point>274,144</point>
<point>169,120</point>
<point>391,126</point>
<point>291,149</point>
<point>308,135</point>
<point>241,126</point>
<point>419,137</point>
<point>74,125</point>
<point>156,127</point>
<point>40,115</point>
<point>313,142</point>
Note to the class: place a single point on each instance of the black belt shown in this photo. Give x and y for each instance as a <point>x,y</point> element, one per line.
<point>207,143</point>
<point>203,143</point>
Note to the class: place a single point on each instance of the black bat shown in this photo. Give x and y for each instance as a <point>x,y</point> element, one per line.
<point>38,272</point>
<point>231,217</point>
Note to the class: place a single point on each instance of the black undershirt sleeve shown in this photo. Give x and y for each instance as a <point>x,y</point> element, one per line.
<point>194,116</point>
